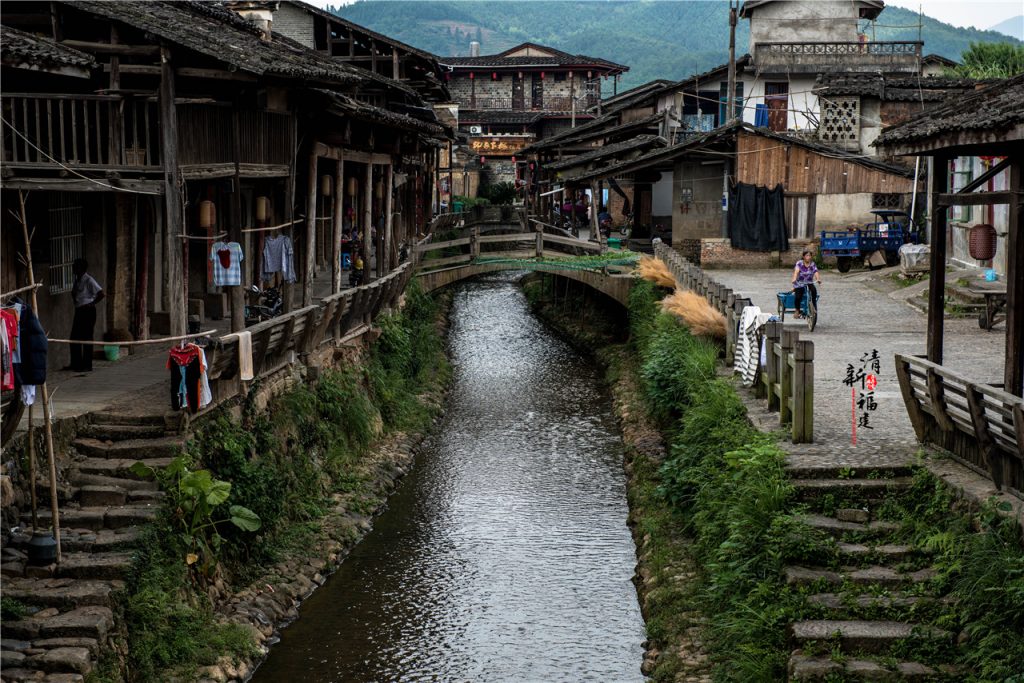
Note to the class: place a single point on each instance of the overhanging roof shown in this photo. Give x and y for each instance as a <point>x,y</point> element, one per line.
<point>22,50</point>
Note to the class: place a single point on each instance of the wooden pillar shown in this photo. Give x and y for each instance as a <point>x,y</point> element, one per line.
<point>309,261</point>
<point>339,217</point>
<point>389,235</point>
<point>595,224</point>
<point>937,278</point>
<point>367,220</point>
<point>124,262</point>
<point>1013,374</point>
<point>237,292</point>
<point>174,276</point>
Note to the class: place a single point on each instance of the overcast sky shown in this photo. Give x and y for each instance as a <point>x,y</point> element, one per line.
<point>981,14</point>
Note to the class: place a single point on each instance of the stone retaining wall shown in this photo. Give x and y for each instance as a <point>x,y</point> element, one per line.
<point>717,252</point>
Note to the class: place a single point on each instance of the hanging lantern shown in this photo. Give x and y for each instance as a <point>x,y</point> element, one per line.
<point>262,208</point>
<point>982,242</point>
<point>542,75</point>
<point>494,75</point>
<point>590,74</point>
<point>326,185</point>
<point>378,189</point>
<point>207,214</point>
<point>471,75</point>
<point>353,186</point>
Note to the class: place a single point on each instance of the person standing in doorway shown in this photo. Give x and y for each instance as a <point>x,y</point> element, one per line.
<point>85,293</point>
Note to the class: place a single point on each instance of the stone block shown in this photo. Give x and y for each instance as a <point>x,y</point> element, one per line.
<point>853,515</point>
<point>89,622</point>
<point>102,496</point>
<point>64,660</point>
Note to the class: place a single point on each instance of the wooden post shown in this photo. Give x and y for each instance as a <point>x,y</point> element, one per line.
<point>474,243</point>
<point>918,418</point>
<point>595,224</point>
<point>803,392</point>
<point>789,339</point>
<point>367,222</point>
<point>1013,373</point>
<point>288,288</point>
<point>540,242</point>
<point>986,444</point>
<point>773,330</point>
<point>124,263</point>
<point>389,226</point>
<point>937,277</point>
<point>235,226</point>
<point>307,271</point>
<point>731,318</point>
<point>174,276</point>
<point>339,217</point>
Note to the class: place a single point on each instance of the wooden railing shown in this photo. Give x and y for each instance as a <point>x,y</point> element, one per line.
<point>284,339</point>
<point>981,424</point>
<point>81,131</point>
<point>525,245</point>
<point>787,381</point>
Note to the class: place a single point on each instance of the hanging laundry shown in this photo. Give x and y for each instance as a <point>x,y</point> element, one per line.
<point>190,387</point>
<point>205,395</point>
<point>28,394</point>
<point>279,257</point>
<point>227,260</point>
<point>6,349</point>
<point>32,347</point>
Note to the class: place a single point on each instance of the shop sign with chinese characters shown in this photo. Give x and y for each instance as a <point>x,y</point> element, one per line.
<point>862,380</point>
<point>498,146</point>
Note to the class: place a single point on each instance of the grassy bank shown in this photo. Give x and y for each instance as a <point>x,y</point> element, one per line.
<point>287,464</point>
<point>717,521</point>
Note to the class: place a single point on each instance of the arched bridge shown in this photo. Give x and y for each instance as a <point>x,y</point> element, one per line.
<point>444,262</point>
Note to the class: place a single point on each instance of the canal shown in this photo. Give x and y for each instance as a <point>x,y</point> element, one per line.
<point>504,555</point>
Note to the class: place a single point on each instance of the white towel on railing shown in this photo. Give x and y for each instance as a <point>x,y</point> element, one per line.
<point>245,356</point>
<point>748,350</point>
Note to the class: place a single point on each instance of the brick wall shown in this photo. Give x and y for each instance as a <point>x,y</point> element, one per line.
<point>294,23</point>
<point>718,253</point>
<point>689,248</point>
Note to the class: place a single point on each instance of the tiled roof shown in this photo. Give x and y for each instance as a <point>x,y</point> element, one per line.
<point>347,106</point>
<point>212,30</point>
<point>998,109</point>
<point>18,47</point>
<point>329,16</point>
<point>557,58</point>
<point>638,142</point>
<point>500,116</point>
<point>893,89</point>
<point>604,127</point>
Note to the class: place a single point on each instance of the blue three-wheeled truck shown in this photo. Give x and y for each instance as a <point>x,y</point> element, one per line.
<point>890,231</point>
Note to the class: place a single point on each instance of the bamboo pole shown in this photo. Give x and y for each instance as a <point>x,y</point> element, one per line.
<point>32,469</point>
<point>54,509</point>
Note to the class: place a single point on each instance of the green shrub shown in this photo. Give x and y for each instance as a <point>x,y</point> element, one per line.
<point>675,366</point>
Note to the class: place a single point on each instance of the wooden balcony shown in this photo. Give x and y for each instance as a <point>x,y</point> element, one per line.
<point>80,131</point>
<point>855,57</point>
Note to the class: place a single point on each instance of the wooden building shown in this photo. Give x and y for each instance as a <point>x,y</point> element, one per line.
<point>143,132</point>
<point>979,419</point>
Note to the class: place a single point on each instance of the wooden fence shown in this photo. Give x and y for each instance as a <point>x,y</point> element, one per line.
<point>787,381</point>
<point>518,245</point>
<point>982,425</point>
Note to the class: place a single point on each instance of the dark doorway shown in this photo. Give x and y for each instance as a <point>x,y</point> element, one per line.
<point>776,96</point>
<point>538,91</point>
<point>517,93</point>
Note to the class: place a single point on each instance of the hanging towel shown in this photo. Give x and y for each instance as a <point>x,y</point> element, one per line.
<point>205,395</point>
<point>28,394</point>
<point>245,356</point>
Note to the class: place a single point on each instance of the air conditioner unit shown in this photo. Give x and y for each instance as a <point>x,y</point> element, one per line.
<point>476,130</point>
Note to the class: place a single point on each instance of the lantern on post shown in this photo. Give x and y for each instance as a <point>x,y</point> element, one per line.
<point>262,209</point>
<point>982,242</point>
<point>326,185</point>
<point>207,214</point>
<point>353,186</point>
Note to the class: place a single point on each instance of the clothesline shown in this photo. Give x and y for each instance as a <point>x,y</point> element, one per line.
<point>19,291</point>
<point>274,227</point>
<point>143,342</point>
<point>216,237</point>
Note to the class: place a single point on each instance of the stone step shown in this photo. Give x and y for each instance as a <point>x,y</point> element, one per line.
<point>139,449</point>
<point>112,565</point>
<point>148,497</point>
<point>97,518</point>
<point>862,489</point>
<point>121,418</point>
<point>91,621</point>
<point>886,577</point>
<point>62,593</point>
<point>839,529</point>
<point>888,552</point>
<point>132,486</point>
<point>120,432</point>
<point>855,636</point>
<point>807,668</point>
<point>109,467</point>
<point>89,540</point>
<point>832,471</point>
<point>890,600</point>
<point>92,495</point>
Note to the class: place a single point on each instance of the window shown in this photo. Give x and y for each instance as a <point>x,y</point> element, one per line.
<point>65,240</point>
<point>960,175</point>
<point>840,121</point>
<point>723,97</point>
<point>560,76</point>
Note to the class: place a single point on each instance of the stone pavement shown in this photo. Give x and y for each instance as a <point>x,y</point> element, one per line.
<point>854,319</point>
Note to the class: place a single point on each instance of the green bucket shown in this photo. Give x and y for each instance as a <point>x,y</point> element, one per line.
<point>112,351</point>
<point>614,243</point>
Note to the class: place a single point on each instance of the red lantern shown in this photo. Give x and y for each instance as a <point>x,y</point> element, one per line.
<point>542,75</point>
<point>513,160</point>
<point>982,242</point>
<point>483,161</point>
<point>471,75</point>
<point>494,75</point>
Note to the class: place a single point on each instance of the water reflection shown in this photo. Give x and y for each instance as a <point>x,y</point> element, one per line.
<point>505,555</point>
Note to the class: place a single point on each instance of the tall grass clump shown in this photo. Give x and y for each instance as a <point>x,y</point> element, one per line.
<point>696,313</point>
<point>655,270</point>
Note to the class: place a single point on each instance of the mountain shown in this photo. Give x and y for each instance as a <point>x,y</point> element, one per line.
<point>655,39</point>
<point>1013,27</point>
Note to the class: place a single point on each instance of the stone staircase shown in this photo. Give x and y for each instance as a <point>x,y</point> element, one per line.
<point>871,597</point>
<point>70,606</point>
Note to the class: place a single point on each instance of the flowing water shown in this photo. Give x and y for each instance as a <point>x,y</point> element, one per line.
<point>504,555</point>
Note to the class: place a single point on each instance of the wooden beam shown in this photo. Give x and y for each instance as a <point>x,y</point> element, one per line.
<point>986,176</point>
<point>937,277</point>
<point>367,221</point>
<point>174,275</point>
<point>310,260</point>
<point>974,198</point>
<point>82,185</point>
<point>389,238</point>
<point>109,49</point>
<point>339,210</point>
<point>1013,376</point>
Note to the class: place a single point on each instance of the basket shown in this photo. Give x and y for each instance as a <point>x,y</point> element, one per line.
<point>614,243</point>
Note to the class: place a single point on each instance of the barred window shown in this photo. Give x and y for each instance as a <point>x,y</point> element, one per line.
<point>887,200</point>
<point>961,174</point>
<point>840,121</point>
<point>65,215</point>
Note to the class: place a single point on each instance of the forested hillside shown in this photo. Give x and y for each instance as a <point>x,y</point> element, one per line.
<point>655,39</point>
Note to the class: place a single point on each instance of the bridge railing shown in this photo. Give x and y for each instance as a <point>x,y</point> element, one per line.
<point>982,425</point>
<point>538,244</point>
<point>786,382</point>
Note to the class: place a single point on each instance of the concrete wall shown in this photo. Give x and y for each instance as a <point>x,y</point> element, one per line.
<point>802,22</point>
<point>718,253</point>
<point>842,210</point>
<point>704,215</point>
<point>294,23</point>
<point>461,87</point>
